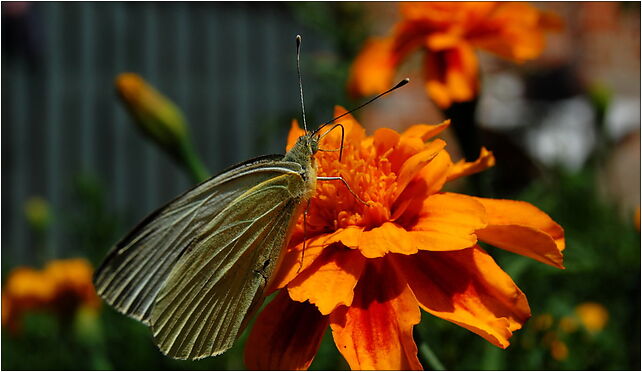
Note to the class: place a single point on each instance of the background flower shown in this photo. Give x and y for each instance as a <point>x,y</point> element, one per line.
<point>449,33</point>
<point>62,287</point>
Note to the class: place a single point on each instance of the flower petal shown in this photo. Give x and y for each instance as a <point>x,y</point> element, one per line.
<point>448,222</point>
<point>384,139</point>
<point>353,131</point>
<point>405,149</point>
<point>522,228</point>
<point>416,163</point>
<point>389,237</point>
<point>296,261</point>
<point>434,174</point>
<point>467,288</point>
<point>443,40</point>
<point>285,336</point>
<point>376,331</point>
<point>426,131</point>
<point>294,134</point>
<point>441,14</point>
<point>451,75</point>
<point>463,168</point>
<point>514,31</point>
<point>330,280</point>
<point>348,236</point>
<point>373,69</point>
<point>438,92</point>
<point>428,181</point>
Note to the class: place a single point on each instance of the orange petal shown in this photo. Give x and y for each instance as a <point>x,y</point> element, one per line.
<point>514,31</point>
<point>461,73</point>
<point>441,14</point>
<point>384,139</point>
<point>373,69</point>
<point>451,75</point>
<point>467,288</point>
<point>448,222</point>
<point>439,93</point>
<point>425,131</point>
<point>286,335</point>
<point>389,237</point>
<point>375,333</point>
<point>550,21</point>
<point>434,174</point>
<point>522,228</point>
<point>348,236</point>
<point>415,164</point>
<point>295,262</point>
<point>443,40</point>
<point>330,280</point>
<point>406,148</point>
<point>463,168</point>
<point>353,132</point>
<point>294,134</point>
<point>428,181</point>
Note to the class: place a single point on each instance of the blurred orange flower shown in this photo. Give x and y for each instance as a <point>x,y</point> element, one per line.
<point>593,316</point>
<point>367,270</point>
<point>62,287</point>
<point>559,350</point>
<point>542,322</point>
<point>568,324</point>
<point>449,33</point>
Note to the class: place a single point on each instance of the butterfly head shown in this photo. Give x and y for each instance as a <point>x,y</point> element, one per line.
<point>304,149</point>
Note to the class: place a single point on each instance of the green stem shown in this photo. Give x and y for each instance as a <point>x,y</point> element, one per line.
<point>426,352</point>
<point>193,163</point>
<point>431,357</point>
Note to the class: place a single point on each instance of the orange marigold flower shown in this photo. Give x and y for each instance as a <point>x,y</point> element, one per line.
<point>449,33</point>
<point>62,287</point>
<point>367,270</point>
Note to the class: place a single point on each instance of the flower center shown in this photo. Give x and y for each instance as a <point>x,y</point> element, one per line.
<point>370,177</point>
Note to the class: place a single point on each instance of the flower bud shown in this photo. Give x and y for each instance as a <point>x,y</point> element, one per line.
<point>37,213</point>
<point>160,120</point>
<point>156,116</point>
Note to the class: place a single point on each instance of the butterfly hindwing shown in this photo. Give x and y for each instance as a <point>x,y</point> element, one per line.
<point>218,283</point>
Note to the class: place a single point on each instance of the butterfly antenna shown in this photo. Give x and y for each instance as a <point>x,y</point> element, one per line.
<point>399,85</point>
<point>298,72</point>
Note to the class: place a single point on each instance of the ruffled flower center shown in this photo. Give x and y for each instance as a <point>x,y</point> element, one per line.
<point>370,176</point>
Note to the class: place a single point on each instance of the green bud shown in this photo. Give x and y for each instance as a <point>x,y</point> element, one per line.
<point>156,116</point>
<point>37,212</point>
<point>160,120</point>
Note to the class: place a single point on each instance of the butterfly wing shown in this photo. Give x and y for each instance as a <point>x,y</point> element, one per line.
<point>135,269</point>
<point>218,283</point>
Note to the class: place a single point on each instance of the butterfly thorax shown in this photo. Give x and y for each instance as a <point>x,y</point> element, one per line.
<point>303,154</point>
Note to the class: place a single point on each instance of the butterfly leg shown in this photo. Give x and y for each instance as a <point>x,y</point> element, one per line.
<point>345,183</point>
<point>340,149</point>
<point>305,214</point>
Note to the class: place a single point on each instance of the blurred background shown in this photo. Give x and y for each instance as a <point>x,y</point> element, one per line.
<point>78,173</point>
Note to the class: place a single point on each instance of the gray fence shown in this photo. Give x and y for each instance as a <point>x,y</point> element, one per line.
<point>229,66</point>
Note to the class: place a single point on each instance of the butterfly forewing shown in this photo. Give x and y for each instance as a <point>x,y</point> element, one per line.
<point>218,283</point>
<point>135,269</point>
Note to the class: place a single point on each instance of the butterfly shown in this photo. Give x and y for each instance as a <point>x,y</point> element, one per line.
<point>196,270</point>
